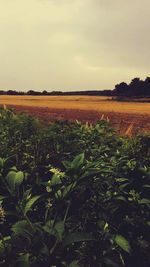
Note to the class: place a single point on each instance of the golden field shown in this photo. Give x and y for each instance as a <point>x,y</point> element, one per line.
<point>95,103</point>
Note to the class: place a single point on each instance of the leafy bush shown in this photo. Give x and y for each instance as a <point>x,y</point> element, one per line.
<point>72,194</point>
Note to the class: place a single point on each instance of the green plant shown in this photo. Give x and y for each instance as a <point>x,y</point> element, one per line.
<point>72,194</point>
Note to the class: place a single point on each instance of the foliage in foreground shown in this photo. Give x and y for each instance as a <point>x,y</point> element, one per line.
<point>72,195</point>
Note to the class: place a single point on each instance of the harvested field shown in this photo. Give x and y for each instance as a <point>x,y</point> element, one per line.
<point>128,118</point>
<point>97,103</point>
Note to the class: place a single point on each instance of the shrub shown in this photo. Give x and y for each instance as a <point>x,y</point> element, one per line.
<point>72,194</point>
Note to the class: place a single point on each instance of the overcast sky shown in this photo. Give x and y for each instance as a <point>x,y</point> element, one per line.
<point>73,44</point>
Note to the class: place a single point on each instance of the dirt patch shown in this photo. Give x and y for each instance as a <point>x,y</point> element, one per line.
<point>126,123</point>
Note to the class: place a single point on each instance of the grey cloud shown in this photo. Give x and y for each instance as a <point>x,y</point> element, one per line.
<point>73,44</point>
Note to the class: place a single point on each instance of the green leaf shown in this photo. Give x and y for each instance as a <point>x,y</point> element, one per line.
<point>45,251</point>
<point>10,178</point>
<point>110,262</point>
<point>77,237</point>
<point>121,198</point>
<point>22,228</point>
<point>19,177</point>
<point>60,228</point>
<point>78,161</point>
<point>14,169</point>
<point>23,260</point>
<point>2,248</point>
<point>49,227</point>
<point>67,164</point>
<point>69,188</point>
<point>15,179</point>
<point>2,197</point>
<point>74,264</point>
<point>1,162</point>
<point>58,194</point>
<point>56,179</point>
<point>123,186</point>
<point>30,204</point>
<point>146,186</point>
<point>123,243</point>
<point>57,230</point>
<point>27,194</point>
<point>121,180</point>
<point>4,244</point>
<point>144,201</point>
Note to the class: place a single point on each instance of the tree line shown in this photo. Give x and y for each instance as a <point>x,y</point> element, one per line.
<point>136,88</point>
<point>53,93</point>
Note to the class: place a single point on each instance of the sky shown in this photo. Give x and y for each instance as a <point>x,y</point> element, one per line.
<point>73,44</point>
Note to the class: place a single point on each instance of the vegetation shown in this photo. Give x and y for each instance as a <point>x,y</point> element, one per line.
<point>72,195</point>
<point>137,87</point>
<point>59,93</point>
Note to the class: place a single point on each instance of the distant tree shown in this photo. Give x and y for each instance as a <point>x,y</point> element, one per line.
<point>136,88</point>
<point>140,87</point>
<point>11,92</point>
<point>32,92</point>
<point>121,89</point>
<point>2,92</point>
<point>147,80</point>
<point>44,92</point>
<point>147,86</point>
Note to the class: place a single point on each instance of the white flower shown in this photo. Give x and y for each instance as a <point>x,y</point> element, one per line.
<point>2,215</point>
<point>57,172</point>
<point>48,189</point>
